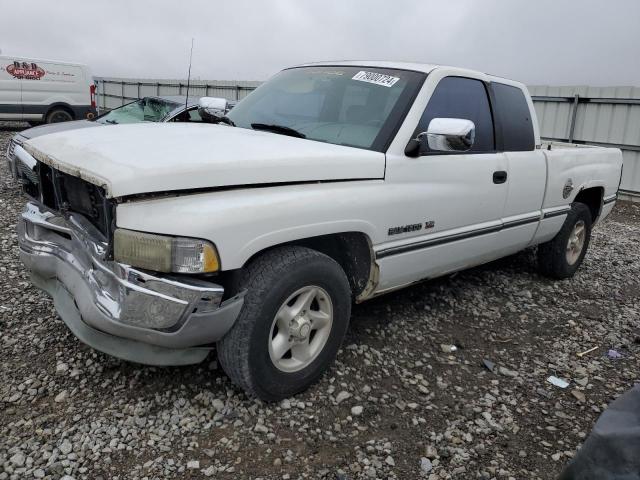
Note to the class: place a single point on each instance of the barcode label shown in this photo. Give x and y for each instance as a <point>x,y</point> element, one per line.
<point>375,78</point>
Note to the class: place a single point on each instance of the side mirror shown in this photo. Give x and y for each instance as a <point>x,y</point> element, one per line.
<point>451,134</point>
<point>212,109</point>
<point>444,135</point>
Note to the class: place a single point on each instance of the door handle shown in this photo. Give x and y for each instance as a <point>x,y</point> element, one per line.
<point>500,176</point>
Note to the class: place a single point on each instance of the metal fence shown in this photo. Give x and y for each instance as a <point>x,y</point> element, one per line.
<point>115,92</point>
<point>605,116</point>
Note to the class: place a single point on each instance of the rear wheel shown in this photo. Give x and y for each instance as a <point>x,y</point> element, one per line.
<point>59,115</point>
<point>293,321</point>
<point>560,257</point>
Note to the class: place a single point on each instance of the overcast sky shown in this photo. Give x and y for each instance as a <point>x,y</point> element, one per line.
<point>586,42</point>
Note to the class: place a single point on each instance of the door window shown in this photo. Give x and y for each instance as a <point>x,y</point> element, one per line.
<point>466,98</point>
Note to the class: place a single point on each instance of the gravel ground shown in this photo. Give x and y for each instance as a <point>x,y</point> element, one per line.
<point>395,405</point>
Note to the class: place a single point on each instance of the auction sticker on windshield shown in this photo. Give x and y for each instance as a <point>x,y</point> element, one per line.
<point>376,78</point>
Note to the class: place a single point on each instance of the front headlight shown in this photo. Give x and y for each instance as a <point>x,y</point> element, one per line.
<point>162,253</point>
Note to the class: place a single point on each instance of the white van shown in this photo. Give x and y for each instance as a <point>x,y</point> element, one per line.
<point>48,91</point>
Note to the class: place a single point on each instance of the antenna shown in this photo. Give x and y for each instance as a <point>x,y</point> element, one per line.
<point>186,102</point>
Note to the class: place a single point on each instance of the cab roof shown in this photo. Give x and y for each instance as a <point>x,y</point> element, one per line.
<point>413,66</point>
<point>417,67</point>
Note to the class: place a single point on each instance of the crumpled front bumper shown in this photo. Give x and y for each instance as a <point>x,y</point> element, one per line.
<point>124,312</point>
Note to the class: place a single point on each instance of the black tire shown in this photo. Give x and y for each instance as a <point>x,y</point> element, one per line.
<point>59,115</point>
<point>552,256</point>
<point>269,280</point>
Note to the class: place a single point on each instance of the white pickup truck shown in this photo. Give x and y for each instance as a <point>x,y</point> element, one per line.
<point>331,183</point>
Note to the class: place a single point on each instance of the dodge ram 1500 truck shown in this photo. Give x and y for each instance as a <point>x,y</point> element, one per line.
<point>330,183</point>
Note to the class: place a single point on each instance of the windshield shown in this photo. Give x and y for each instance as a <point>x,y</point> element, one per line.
<point>144,110</point>
<point>355,106</point>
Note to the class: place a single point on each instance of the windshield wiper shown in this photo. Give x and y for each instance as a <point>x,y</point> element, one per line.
<point>112,122</point>
<point>278,129</point>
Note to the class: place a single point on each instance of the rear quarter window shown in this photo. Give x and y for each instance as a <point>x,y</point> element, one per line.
<point>515,118</point>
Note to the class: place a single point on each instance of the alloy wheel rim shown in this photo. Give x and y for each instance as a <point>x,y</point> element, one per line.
<point>575,243</point>
<point>300,329</point>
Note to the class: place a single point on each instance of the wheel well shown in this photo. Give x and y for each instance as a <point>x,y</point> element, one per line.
<point>592,198</point>
<point>352,251</point>
<point>59,106</point>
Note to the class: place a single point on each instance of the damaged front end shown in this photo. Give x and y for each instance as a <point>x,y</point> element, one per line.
<point>66,240</point>
<point>65,193</point>
<point>10,155</point>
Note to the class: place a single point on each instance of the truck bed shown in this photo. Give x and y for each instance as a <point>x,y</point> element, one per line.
<point>582,166</point>
<point>555,145</point>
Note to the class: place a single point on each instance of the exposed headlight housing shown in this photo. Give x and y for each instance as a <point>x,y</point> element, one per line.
<point>162,253</point>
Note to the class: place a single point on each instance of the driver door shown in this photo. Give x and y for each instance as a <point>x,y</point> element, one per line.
<point>457,197</point>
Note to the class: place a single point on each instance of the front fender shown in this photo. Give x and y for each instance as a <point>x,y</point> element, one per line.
<point>243,222</point>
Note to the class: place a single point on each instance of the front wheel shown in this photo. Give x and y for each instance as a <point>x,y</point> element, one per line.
<point>560,257</point>
<point>295,315</point>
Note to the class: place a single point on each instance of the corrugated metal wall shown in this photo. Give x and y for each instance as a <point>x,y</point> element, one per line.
<point>114,92</point>
<point>607,116</point>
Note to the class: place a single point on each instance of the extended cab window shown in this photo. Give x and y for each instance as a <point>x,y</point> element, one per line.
<point>515,118</point>
<point>466,98</point>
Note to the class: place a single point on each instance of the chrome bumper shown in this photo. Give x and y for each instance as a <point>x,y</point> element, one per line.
<point>114,308</point>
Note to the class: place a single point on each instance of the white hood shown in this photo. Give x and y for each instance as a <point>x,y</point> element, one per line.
<point>156,157</point>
